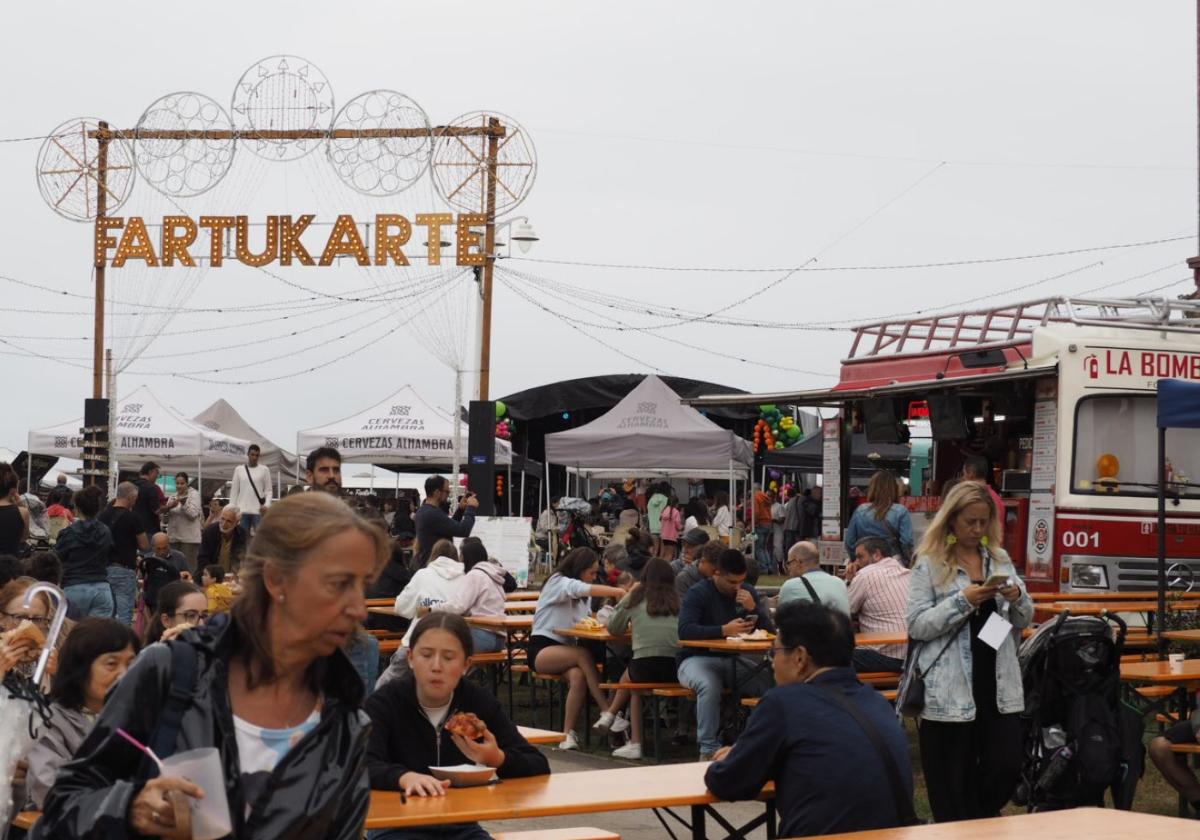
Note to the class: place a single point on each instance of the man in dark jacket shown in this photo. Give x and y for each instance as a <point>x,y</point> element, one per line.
<point>84,547</point>
<point>829,777</point>
<point>433,523</point>
<point>722,606</point>
<point>149,499</point>
<point>61,494</point>
<point>222,543</point>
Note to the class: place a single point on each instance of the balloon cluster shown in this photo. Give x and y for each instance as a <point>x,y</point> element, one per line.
<point>504,425</point>
<point>775,430</point>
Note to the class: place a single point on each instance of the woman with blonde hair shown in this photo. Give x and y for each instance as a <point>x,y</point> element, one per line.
<point>883,516</point>
<point>267,684</point>
<point>963,582</point>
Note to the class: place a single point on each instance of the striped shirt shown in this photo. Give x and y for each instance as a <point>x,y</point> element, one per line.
<point>879,599</point>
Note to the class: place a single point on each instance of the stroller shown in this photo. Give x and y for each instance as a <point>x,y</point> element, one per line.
<point>1080,739</point>
<point>572,517</point>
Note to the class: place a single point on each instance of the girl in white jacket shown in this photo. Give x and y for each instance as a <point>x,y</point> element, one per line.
<point>435,584</point>
<point>479,593</point>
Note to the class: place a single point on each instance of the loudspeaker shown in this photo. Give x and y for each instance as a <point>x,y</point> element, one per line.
<point>879,419</point>
<point>481,455</point>
<point>946,419</point>
<point>95,442</point>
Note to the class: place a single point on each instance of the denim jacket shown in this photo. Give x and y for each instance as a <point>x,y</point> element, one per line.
<point>933,611</point>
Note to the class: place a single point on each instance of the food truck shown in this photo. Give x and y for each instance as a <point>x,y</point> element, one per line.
<point>1058,396</point>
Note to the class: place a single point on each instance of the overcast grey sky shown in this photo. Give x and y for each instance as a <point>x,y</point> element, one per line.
<point>754,134</point>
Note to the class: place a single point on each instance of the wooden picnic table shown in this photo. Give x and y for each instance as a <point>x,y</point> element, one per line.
<point>501,622</point>
<point>559,794</point>
<point>522,595</point>
<point>541,736</point>
<point>381,602</point>
<point>390,609</point>
<point>724,645</point>
<point>1074,824</point>
<point>865,639</point>
<point>516,629</point>
<point>1098,607</point>
<point>597,634</point>
<point>520,606</point>
<point>1182,635</point>
<point>1160,673</point>
<point>1039,597</point>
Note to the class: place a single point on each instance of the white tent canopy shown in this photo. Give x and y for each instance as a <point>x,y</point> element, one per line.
<point>402,429</point>
<point>650,432</point>
<point>223,417</point>
<point>147,429</point>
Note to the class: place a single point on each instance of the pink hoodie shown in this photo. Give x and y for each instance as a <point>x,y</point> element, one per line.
<point>480,593</point>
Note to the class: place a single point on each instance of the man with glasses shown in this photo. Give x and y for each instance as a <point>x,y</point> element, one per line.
<point>810,736</point>
<point>722,606</point>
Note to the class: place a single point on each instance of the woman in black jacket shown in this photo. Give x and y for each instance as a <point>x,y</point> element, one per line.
<point>408,717</point>
<point>267,685</point>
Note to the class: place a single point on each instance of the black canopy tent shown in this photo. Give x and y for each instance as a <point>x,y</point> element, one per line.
<point>807,456</point>
<point>1178,408</point>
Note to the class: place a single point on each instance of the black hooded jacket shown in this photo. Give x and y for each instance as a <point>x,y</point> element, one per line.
<point>403,739</point>
<point>318,790</point>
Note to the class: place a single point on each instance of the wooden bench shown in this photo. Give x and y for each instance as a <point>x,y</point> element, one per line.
<point>558,834</point>
<point>880,679</point>
<point>888,695</point>
<point>652,690</point>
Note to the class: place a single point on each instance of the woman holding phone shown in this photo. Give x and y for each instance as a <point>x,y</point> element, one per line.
<point>963,592</point>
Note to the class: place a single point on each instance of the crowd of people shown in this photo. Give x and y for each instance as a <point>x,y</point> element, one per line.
<point>254,643</point>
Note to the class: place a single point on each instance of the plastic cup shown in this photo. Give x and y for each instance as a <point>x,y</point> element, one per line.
<point>1176,661</point>
<point>202,767</point>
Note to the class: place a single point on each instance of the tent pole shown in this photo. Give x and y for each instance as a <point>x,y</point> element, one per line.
<point>457,438</point>
<point>29,473</point>
<point>551,541</point>
<point>508,487</point>
<point>1162,537</point>
<point>732,487</point>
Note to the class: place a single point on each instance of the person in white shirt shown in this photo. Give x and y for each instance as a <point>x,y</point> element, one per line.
<point>879,600</point>
<point>250,490</point>
<point>722,518</point>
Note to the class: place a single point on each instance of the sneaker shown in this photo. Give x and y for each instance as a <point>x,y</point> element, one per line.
<point>705,756</point>
<point>630,750</point>
<point>604,723</point>
<point>571,742</point>
<point>620,724</point>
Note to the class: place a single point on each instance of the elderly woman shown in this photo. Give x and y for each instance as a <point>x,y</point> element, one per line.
<point>270,689</point>
<point>96,654</point>
<point>223,542</point>
<point>970,733</point>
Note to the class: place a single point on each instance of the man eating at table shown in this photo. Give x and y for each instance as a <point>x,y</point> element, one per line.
<point>718,608</point>
<point>832,745</point>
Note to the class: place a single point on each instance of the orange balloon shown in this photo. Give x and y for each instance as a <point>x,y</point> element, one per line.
<point>1108,465</point>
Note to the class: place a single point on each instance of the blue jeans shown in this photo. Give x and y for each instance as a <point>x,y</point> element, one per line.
<point>124,592</point>
<point>762,549</point>
<point>250,521</point>
<point>93,600</point>
<point>456,831</point>
<point>486,641</point>
<point>708,676</point>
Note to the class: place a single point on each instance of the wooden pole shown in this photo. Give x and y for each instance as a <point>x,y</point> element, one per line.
<point>101,210</point>
<point>485,339</point>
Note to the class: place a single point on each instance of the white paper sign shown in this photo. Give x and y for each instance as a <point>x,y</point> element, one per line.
<point>507,539</point>
<point>831,478</point>
<point>994,631</point>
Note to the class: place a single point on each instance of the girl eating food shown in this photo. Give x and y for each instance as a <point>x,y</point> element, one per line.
<point>432,717</point>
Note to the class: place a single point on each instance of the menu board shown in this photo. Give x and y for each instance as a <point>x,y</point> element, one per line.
<point>506,539</point>
<point>831,468</point>
<point>1045,444</point>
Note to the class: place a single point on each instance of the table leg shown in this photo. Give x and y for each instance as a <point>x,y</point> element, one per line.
<point>699,815</point>
<point>508,648</point>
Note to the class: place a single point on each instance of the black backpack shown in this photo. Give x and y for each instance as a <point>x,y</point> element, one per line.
<point>156,574</point>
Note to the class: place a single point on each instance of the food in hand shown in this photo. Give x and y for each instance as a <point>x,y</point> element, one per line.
<point>759,635</point>
<point>467,725</point>
<point>588,623</point>
<point>25,630</point>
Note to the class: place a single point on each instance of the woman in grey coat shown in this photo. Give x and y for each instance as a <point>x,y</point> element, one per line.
<point>96,654</point>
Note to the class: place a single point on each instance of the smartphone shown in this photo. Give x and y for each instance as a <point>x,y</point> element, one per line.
<point>752,618</point>
<point>998,581</point>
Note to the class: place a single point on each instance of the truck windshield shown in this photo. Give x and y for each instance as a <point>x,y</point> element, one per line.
<point>1116,449</point>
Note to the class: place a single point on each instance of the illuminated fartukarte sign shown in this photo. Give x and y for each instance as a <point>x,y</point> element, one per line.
<point>123,238</point>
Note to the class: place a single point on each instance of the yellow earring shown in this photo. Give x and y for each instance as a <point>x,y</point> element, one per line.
<point>983,541</point>
<point>951,540</point>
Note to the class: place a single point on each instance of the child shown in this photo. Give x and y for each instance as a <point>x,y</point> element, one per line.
<point>408,718</point>
<point>219,593</point>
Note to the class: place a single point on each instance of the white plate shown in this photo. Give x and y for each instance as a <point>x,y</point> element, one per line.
<point>465,775</point>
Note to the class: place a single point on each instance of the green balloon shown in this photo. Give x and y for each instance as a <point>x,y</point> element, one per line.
<point>767,408</point>
<point>793,432</point>
<point>501,409</point>
<point>779,444</point>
